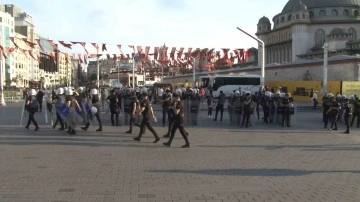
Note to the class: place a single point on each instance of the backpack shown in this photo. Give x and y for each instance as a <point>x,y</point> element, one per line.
<point>34,105</point>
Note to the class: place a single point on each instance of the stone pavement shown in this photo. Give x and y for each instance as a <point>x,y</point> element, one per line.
<point>224,164</point>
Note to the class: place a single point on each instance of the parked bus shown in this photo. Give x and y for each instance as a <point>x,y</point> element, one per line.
<point>227,84</point>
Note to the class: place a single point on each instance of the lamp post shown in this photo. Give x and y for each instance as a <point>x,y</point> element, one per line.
<point>325,74</point>
<point>262,56</point>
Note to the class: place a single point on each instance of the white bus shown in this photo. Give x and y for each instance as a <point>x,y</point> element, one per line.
<point>228,84</point>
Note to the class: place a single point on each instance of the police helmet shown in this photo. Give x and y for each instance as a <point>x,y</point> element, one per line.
<point>352,97</point>
<point>329,95</point>
<point>32,92</point>
<point>66,88</point>
<point>69,92</point>
<point>267,93</point>
<point>81,89</point>
<point>343,96</point>
<point>338,96</point>
<point>237,92</point>
<point>60,91</point>
<point>94,91</point>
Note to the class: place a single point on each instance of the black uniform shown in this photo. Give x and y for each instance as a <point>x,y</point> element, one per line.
<point>165,108</point>
<point>171,119</point>
<point>114,109</point>
<point>247,110</point>
<point>179,124</point>
<point>40,97</point>
<point>146,121</point>
<point>73,105</point>
<point>32,109</point>
<point>286,111</point>
<point>356,114</point>
<point>95,103</point>
<point>326,106</point>
<point>266,108</point>
<point>134,102</point>
<point>347,116</point>
<point>333,114</point>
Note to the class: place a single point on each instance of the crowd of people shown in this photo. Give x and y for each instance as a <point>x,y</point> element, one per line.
<point>83,104</point>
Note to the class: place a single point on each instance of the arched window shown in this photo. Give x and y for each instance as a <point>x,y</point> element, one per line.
<point>259,28</point>
<point>345,12</point>
<point>311,14</point>
<point>356,13</point>
<point>334,13</point>
<point>289,17</point>
<point>282,19</point>
<point>319,38</point>
<point>352,31</point>
<point>322,13</point>
<point>297,16</point>
<point>303,16</point>
<point>277,21</point>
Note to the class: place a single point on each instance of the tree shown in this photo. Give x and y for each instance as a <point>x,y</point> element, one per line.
<point>8,83</point>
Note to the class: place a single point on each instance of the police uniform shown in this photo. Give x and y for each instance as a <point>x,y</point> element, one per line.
<point>29,100</point>
<point>133,105</point>
<point>347,115</point>
<point>326,106</point>
<point>73,105</point>
<point>247,110</point>
<point>95,103</point>
<point>114,110</point>
<point>146,120</point>
<point>178,124</point>
<point>166,102</point>
<point>285,103</point>
<point>333,114</point>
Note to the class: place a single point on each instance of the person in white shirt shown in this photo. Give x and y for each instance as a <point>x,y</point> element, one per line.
<point>160,93</point>
<point>315,99</point>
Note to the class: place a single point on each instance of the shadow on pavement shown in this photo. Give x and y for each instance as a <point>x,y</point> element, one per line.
<point>254,172</point>
<point>353,147</point>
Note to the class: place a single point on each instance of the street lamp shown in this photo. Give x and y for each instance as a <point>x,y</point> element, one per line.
<point>325,74</point>
<point>262,56</point>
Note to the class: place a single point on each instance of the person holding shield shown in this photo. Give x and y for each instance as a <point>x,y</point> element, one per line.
<point>32,106</point>
<point>95,109</point>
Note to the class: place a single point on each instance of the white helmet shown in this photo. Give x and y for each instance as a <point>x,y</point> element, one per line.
<point>339,96</point>
<point>94,110</point>
<point>267,93</point>
<point>66,88</point>
<point>247,92</point>
<point>81,89</point>
<point>60,91</point>
<point>329,95</point>
<point>32,92</point>
<point>271,94</point>
<point>343,96</point>
<point>352,97</point>
<point>237,92</point>
<point>94,91</point>
<point>69,92</point>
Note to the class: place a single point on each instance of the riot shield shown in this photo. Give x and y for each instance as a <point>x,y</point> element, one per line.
<point>194,111</point>
<point>236,112</point>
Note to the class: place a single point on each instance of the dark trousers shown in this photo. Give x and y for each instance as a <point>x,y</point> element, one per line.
<point>266,114</point>
<point>166,112</point>
<point>326,119</point>
<point>115,113</point>
<point>257,110</point>
<point>286,118</point>
<point>97,115</point>
<point>245,118</point>
<point>182,132</point>
<point>59,119</point>
<point>210,111</point>
<point>32,119</point>
<point>347,123</point>
<point>315,103</point>
<point>146,123</point>
<point>334,122</point>
<point>219,107</point>
<point>40,105</point>
<point>356,115</point>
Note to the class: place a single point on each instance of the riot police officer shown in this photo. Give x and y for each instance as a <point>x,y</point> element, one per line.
<point>165,101</point>
<point>347,115</point>
<point>95,103</point>
<point>134,105</point>
<point>247,109</point>
<point>285,105</point>
<point>333,113</point>
<point>327,103</point>
<point>112,100</point>
<point>266,106</point>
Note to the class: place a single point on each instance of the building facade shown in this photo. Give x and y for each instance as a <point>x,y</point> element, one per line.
<point>303,26</point>
<point>7,30</point>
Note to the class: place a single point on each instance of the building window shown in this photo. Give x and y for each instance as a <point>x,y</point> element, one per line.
<point>345,12</point>
<point>322,13</point>
<point>282,19</point>
<point>352,31</point>
<point>334,13</point>
<point>277,21</point>
<point>303,16</point>
<point>311,14</point>
<point>289,17</point>
<point>297,16</point>
<point>356,13</point>
<point>319,38</point>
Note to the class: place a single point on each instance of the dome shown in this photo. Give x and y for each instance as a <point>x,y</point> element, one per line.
<point>264,20</point>
<point>299,6</point>
<point>338,31</point>
<point>289,7</point>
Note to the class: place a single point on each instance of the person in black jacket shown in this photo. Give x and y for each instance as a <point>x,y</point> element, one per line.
<point>39,98</point>
<point>95,101</point>
<point>113,101</point>
<point>32,106</point>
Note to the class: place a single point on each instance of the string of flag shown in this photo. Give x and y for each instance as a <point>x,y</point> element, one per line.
<point>149,57</point>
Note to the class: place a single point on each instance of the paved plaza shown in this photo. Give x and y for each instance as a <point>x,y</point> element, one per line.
<point>225,163</point>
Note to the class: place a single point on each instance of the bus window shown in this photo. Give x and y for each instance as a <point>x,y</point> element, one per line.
<point>205,82</point>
